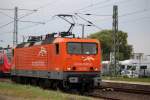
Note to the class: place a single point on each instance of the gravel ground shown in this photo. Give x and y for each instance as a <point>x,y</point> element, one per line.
<point>122,95</point>
<point>6,97</point>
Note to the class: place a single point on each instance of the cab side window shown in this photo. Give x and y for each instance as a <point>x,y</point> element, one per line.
<point>57,48</point>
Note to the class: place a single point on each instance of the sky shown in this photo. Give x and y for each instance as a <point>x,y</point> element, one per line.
<point>134,18</point>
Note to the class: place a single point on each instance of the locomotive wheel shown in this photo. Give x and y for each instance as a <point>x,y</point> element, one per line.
<point>61,85</point>
<point>57,85</point>
<point>17,79</point>
<point>54,85</point>
<point>22,80</point>
<point>34,81</point>
<point>44,83</point>
<point>1,75</point>
<point>41,83</point>
<point>25,80</point>
<point>47,83</point>
<point>13,78</point>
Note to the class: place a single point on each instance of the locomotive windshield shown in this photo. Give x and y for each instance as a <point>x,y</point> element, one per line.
<point>82,48</point>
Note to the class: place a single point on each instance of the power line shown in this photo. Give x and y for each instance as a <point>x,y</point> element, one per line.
<point>11,18</point>
<point>28,9</point>
<point>35,10</point>
<point>21,18</point>
<point>32,22</point>
<point>128,14</point>
<point>104,6</point>
<point>30,26</point>
<point>6,15</point>
<point>123,15</point>
<point>51,19</point>
<point>51,3</point>
<point>6,24</point>
<point>19,9</point>
<point>89,14</point>
<point>91,5</point>
<point>6,9</point>
<point>88,21</point>
<point>43,6</point>
<point>135,12</point>
<point>38,8</point>
<point>6,32</point>
<point>134,20</point>
<point>132,13</point>
<point>27,14</point>
<point>16,19</point>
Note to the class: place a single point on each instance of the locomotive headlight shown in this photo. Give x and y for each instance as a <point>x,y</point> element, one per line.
<point>73,79</point>
<point>68,68</point>
<point>96,69</point>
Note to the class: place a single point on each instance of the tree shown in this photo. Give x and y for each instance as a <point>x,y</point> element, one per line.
<point>106,39</point>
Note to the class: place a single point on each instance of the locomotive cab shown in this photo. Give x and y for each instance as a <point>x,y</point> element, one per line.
<point>80,59</point>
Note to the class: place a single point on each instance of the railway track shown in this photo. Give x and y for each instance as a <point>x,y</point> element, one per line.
<point>5,80</point>
<point>119,94</point>
<point>132,91</point>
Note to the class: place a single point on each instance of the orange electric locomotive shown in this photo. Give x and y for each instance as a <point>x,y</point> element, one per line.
<point>58,61</point>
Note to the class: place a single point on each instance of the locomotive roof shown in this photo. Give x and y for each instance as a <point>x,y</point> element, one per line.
<point>74,40</point>
<point>54,40</point>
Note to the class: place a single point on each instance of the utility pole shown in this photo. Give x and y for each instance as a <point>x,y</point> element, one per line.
<point>114,30</point>
<point>15,33</point>
<point>23,38</point>
<point>16,20</point>
<point>82,30</point>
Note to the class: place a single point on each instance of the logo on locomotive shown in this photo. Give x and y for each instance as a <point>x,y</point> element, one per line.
<point>88,58</point>
<point>42,51</point>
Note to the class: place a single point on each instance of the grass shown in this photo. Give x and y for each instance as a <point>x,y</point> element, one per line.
<point>147,80</point>
<point>27,92</point>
